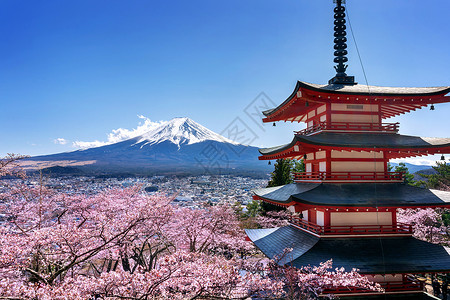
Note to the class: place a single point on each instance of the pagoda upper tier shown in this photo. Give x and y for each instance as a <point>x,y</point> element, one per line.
<point>342,146</point>
<point>384,102</point>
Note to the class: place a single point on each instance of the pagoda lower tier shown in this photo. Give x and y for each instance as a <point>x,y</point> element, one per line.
<point>392,261</point>
<point>371,255</point>
<point>355,225</point>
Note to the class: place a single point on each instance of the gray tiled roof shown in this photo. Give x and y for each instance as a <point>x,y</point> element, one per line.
<point>361,89</point>
<point>273,241</point>
<point>376,255</point>
<point>355,194</point>
<point>362,140</point>
<point>283,193</point>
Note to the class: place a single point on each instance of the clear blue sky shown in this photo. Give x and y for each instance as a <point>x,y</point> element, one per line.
<point>76,70</point>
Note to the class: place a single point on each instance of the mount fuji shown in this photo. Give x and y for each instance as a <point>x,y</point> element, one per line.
<point>181,131</point>
<point>179,146</point>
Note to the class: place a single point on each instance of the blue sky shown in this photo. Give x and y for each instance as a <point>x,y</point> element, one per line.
<point>76,70</point>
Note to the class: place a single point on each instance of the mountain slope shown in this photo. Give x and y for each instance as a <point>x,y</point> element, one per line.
<point>178,146</point>
<point>181,131</point>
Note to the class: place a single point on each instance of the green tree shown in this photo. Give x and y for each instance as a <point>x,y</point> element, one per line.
<point>281,176</point>
<point>282,173</point>
<point>238,209</point>
<point>441,179</point>
<point>253,209</point>
<point>299,166</point>
<point>408,177</point>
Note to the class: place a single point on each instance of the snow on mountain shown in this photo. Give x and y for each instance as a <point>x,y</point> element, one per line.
<point>179,146</point>
<point>181,131</point>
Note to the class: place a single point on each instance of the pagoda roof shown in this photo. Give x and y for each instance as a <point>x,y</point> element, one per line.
<point>378,255</point>
<point>416,97</point>
<point>354,195</point>
<point>356,141</point>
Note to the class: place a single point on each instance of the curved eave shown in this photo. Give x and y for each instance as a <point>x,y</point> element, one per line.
<point>282,195</point>
<point>363,195</point>
<point>398,145</point>
<point>380,255</point>
<point>397,100</point>
<point>381,91</point>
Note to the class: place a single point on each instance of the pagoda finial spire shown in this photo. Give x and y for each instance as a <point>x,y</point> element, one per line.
<point>340,46</point>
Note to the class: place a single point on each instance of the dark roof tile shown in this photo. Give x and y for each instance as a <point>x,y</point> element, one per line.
<point>355,194</point>
<point>361,140</point>
<point>376,255</point>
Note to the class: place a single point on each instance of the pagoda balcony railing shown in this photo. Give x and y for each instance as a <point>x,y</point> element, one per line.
<point>399,228</point>
<point>348,176</point>
<point>313,227</point>
<point>393,286</point>
<point>349,126</point>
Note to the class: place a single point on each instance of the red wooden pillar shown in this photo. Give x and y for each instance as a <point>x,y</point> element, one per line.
<point>328,108</point>
<point>327,219</point>
<point>394,216</point>
<point>312,216</point>
<point>328,161</point>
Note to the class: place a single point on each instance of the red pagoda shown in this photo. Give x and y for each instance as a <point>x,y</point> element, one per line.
<point>345,203</point>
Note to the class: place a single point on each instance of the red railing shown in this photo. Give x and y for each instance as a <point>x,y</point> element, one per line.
<point>347,126</point>
<point>346,176</point>
<point>393,286</point>
<point>305,224</point>
<point>399,228</point>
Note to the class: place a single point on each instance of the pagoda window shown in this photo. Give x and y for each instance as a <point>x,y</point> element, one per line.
<point>360,218</point>
<point>322,166</point>
<point>357,154</point>
<point>320,217</point>
<point>357,166</point>
<point>354,118</point>
<point>305,215</point>
<point>355,113</point>
<point>364,161</point>
<point>386,278</point>
<point>321,109</point>
<point>355,107</point>
<point>310,156</point>
<point>321,155</point>
<point>308,167</point>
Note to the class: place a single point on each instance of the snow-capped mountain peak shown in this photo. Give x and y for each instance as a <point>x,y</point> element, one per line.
<point>181,131</point>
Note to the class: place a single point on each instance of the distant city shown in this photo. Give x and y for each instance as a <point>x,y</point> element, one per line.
<point>191,191</point>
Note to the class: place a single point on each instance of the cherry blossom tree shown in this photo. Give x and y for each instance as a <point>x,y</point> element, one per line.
<point>126,244</point>
<point>427,224</point>
<point>308,282</point>
<point>273,219</point>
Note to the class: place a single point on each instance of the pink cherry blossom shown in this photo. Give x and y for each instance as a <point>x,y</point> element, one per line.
<point>126,244</point>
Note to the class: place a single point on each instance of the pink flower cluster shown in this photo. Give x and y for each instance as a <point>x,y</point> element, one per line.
<point>124,244</point>
<point>427,224</point>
